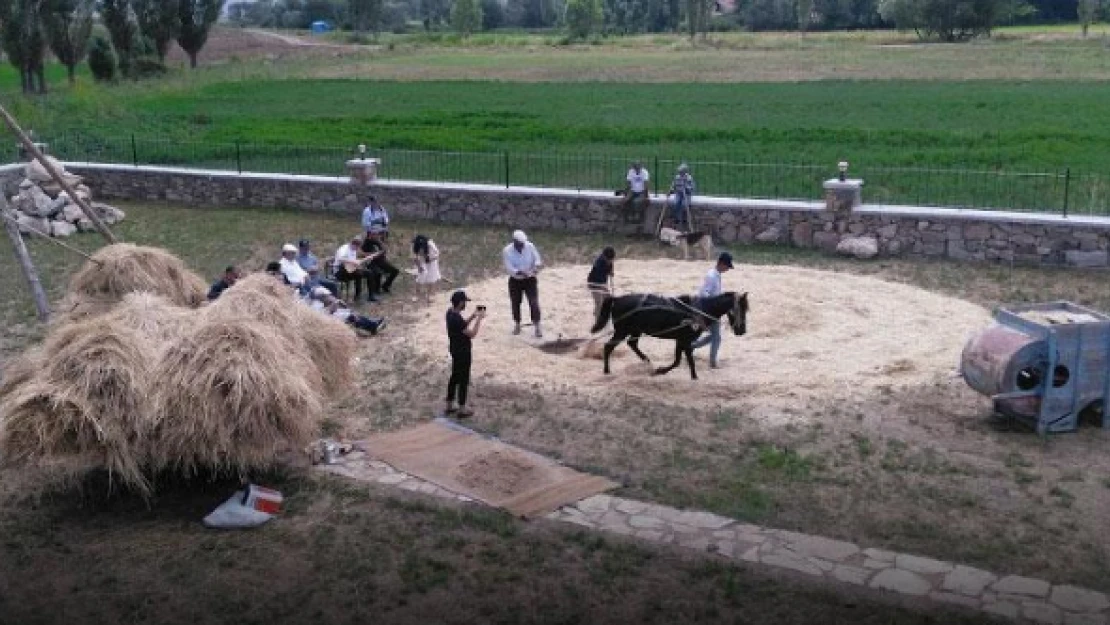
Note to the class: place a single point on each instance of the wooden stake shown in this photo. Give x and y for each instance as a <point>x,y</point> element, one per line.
<point>24,259</point>
<point>56,176</point>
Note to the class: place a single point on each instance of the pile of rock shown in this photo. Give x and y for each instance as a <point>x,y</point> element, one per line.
<point>41,205</point>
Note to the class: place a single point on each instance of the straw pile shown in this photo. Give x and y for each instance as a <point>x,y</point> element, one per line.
<point>86,404</point>
<point>135,379</point>
<point>231,398</point>
<point>123,268</point>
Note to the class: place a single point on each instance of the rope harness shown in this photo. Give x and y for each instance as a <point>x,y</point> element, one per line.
<point>686,322</point>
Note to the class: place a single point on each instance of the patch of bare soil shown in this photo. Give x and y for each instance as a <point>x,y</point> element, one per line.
<point>500,473</point>
<point>225,44</point>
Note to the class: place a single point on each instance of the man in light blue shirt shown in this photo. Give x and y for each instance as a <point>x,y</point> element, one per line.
<point>374,219</point>
<point>308,261</point>
<point>523,262</point>
<point>711,287</point>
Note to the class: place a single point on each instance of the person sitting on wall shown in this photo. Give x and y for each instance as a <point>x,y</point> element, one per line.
<point>308,261</point>
<point>375,219</point>
<point>223,283</point>
<point>373,246</point>
<point>636,189</point>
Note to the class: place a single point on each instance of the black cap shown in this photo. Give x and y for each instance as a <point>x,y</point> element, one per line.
<point>459,296</point>
<point>725,259</point>
<point>303,243</point>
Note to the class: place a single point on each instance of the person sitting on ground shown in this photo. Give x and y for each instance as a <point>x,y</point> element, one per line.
<point>308,261</point>
<point>291,271</point>
<point>375,219</point>
<point>325,302</point>
<point>351,266</point>
<point>373,246</point>
<point>683,191</point>
<point>599,282</point>
<point>273,268</point>
<point>425,256</point>
<point>223,283</point>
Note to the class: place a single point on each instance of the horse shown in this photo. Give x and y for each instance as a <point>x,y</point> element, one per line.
<point>679,319</point>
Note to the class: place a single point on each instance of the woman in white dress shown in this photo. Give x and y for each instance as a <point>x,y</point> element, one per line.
<point>425,256</point>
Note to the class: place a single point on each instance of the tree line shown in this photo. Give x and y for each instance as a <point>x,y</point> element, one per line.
<point>139,35</point>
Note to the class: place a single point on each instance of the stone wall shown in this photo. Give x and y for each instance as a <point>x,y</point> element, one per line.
<point>897,230</point>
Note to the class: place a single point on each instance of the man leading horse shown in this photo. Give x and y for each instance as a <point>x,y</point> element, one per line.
<point>680,319</point>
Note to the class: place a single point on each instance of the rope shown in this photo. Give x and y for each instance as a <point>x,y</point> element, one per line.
<point>50,238</point>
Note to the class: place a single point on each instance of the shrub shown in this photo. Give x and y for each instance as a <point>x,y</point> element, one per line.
<point>102,59</point>
<point>583,17</point>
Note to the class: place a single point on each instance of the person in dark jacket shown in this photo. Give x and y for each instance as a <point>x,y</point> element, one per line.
<point>223,283</point>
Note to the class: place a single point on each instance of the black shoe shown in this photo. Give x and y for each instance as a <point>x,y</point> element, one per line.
<point>371,299</point>
<point>379,326</point>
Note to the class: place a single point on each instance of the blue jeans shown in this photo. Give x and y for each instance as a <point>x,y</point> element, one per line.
<point>713,340</point>
<point>678,210</point>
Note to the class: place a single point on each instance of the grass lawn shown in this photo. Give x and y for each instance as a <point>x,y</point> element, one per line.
<point>918,469</point>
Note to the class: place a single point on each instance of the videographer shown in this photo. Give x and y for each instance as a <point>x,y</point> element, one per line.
<point>460,331</point>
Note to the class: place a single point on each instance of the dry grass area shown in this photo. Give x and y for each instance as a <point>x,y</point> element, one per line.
<point>917,467</point>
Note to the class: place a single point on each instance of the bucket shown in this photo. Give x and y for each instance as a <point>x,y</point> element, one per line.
<point>262,499</point>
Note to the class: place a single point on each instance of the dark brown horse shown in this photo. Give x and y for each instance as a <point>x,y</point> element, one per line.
<point>679,319</point>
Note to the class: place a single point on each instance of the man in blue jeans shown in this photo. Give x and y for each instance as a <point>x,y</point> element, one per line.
<point>711,287</point>
<point>683,191</point>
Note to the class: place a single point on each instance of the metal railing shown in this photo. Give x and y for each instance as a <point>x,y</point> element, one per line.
<point>1060,192</point>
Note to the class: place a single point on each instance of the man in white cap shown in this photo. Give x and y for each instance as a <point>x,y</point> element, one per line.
<point>290,270</point>
<point>523,262</point>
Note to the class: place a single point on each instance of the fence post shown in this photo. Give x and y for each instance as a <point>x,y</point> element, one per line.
<point>134,151</point>
<point>656,174</point>
<point>1067,188</point>
<point>505,156</point>
<point>238,158</point>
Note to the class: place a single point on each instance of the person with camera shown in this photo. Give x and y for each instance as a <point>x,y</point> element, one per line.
<point>460,331</point>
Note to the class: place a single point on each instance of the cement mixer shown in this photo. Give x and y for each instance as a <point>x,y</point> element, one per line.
<point>1043,364</point>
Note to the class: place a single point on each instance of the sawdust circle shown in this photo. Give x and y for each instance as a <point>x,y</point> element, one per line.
<point>811,334</point>
<point>499,474</point>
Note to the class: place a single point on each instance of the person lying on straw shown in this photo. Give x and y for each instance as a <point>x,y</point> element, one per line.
<point>323,301</point>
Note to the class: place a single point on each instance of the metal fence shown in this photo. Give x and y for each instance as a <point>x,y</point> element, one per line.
<point>1060,191</point>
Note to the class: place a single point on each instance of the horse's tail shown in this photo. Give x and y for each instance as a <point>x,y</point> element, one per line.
<point>603,315</point>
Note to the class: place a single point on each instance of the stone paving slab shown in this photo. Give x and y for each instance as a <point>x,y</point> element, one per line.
<point>838,562</point>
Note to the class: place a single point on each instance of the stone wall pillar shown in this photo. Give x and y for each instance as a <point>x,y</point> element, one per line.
<point>841,196</point>
<point>363,171</point>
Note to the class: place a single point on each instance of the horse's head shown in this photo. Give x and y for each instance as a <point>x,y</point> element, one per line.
<point>738,314</point>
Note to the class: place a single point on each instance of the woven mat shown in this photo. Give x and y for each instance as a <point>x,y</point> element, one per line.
<point>462,461</point>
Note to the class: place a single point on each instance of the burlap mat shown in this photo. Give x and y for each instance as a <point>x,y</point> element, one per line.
<point>462,461</point>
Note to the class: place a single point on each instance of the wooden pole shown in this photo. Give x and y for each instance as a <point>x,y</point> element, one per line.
<point>24,259</point>
<point>57,176</point>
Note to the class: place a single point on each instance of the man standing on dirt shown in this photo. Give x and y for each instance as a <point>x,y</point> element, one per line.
<point>523,262</point>
<point>460,331</point>
<point>711,287</point>
<point>600,279</point>
<point>636,186</point>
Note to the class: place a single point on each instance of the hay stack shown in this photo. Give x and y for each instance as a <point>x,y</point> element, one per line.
<point>19,371</point>
<point>125,268</point>
<point>329,343</point>
<point>153,317</point>
<point>87,404</point>
<point>231,397</point>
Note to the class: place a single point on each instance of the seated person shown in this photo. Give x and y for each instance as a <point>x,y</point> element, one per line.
<point>291,271</point>
<point>231,274</point>
<point>308,261</point>
<point>327,303</point>
<point>374,247</point>
<point>351,265</point>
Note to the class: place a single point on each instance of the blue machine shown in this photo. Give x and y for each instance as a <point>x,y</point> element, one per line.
<point>1043,364</point>
<point>320,26</point>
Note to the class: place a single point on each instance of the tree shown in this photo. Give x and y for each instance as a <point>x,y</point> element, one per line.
<point>68,25</point>
<point>102,60</point>
<point>805,11</point>
<point>118,19</point>
<point>493,15</point>
<point>947,20</point>
<point>24,41</point>
<point>583,17</point>
<point>466,16</point>
<point>365,15</point>
<point>434,12</point>
<point>1088,12</point>
<point>197,18</point>
<point>159,21</point>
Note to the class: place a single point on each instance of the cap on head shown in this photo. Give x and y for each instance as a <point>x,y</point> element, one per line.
<point>725,259</point>
<point>458,297</point>
<point>288,247</point>
<point>320,292</point>
<point>683,168</point>
<point>520,237</point>
<point>303,244</point>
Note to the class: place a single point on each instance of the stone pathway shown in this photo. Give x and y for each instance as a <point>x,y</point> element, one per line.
<point>834,561</point>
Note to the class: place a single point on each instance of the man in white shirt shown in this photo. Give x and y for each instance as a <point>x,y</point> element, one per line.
<point>290,269</point>
<point>636,190</point>
<point>711,287</point>
<point>523,262</point>
<point>350,266</point>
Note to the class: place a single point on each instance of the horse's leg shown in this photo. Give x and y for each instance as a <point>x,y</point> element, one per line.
<point>689,350</point>
<point>612,343</point>
<point>634,343</point>
<point>677,359</point>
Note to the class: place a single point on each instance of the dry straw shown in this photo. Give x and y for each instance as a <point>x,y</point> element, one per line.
<point>87,405</point>
<point>123,268</point>
<point>153,317</point>
<point>231,397</point>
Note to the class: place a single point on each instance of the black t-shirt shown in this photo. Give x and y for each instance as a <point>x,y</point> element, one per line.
<point>601,271</point>
<point>456,333</point>
<point>218,287</point>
